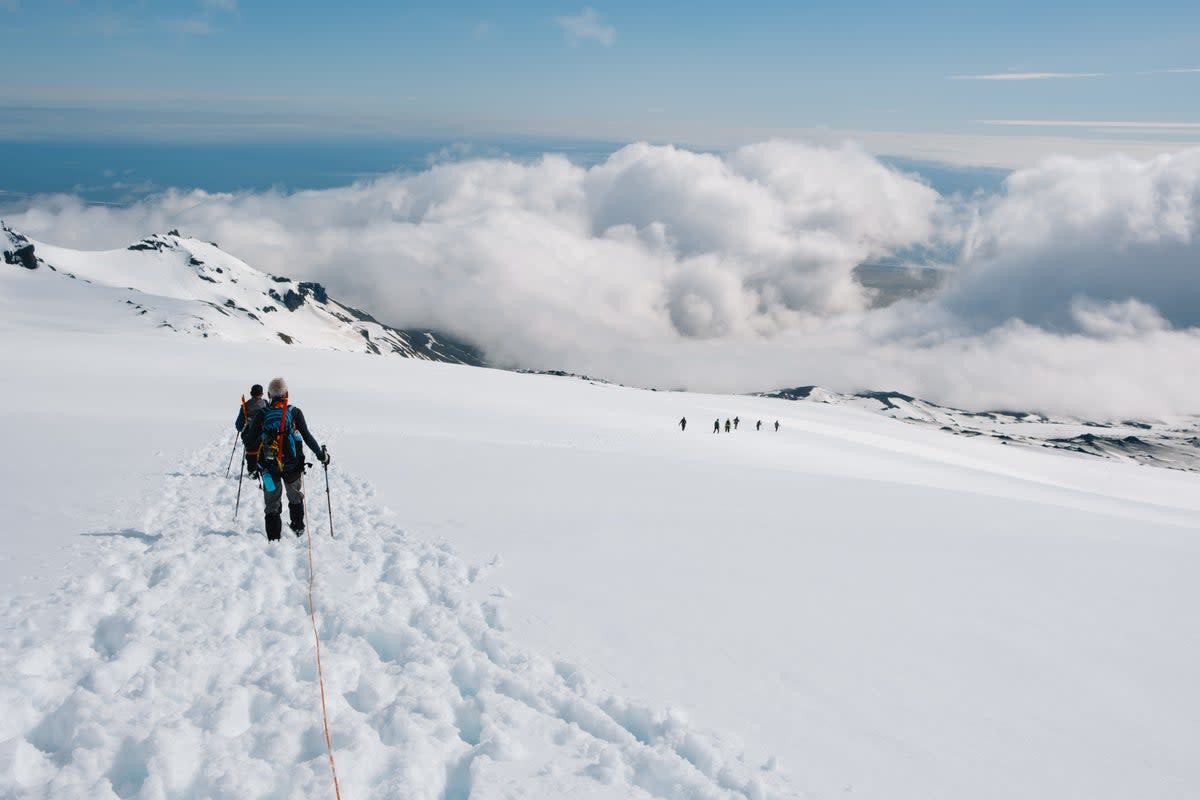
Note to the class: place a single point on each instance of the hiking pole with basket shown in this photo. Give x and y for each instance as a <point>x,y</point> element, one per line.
<point>231,452</point>
<point>328,500</point>
<point>238,502</point>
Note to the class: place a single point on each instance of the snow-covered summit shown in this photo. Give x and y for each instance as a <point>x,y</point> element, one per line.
<point>179,283</point>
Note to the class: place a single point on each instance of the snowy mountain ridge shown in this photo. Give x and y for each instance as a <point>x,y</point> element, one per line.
<point>1173,444</point>
<point>190,286</point>
<point>183,284</point>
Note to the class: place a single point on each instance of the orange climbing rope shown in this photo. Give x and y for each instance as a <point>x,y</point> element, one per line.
<point>312,615</point>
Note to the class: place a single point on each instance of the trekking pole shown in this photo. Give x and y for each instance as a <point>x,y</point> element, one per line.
<point>328,501</point>
<point>238,502</point>
<point>232,450</point>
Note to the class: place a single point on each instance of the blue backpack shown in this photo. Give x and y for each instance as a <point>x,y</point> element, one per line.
<point>279,444</point>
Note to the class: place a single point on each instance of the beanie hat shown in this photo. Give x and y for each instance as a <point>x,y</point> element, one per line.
<point>277,389</point>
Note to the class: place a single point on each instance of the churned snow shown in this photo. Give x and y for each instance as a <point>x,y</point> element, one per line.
<point>181,665</point>
<point>541,587</point>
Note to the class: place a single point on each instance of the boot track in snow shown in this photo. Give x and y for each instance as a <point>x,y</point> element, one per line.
<point>183,667</point>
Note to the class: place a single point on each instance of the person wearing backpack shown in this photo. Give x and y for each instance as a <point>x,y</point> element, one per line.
<point>245,415</point>
<point>280,431</point>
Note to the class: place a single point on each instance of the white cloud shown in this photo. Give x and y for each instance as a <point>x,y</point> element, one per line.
<point>220,5</point>
<point>1111,229</point>
<point>1026,76</point>
<point>587,26</point>
<point>1116,320</point>
<point>1078,289</point>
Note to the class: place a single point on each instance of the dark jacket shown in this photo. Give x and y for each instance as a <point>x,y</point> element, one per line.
<point>253,405</point>
<point>293,462</point>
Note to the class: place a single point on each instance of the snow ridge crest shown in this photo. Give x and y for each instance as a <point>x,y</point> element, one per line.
<point>185,285</point>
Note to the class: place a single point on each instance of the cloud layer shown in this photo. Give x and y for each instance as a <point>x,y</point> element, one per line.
<point>1076,288</point>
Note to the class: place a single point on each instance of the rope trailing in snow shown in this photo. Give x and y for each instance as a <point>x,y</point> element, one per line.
<point>312,615</point>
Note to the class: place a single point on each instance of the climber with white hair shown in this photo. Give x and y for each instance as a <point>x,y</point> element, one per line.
<point>279,428</point>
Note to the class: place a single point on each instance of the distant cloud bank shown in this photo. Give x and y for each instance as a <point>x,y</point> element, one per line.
<point>1076,289</point>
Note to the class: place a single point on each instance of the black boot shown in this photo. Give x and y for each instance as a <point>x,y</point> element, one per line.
<point>274,527</point>
<point>296,510</point>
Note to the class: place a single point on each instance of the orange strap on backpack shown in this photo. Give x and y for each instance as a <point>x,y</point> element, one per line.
<point>282,427</point>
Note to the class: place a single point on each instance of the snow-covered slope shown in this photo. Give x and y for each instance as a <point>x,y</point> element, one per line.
<point>183,667</point>
<point>177,283</point>
<point>174,283</point>
<point>1173,444</point>
<point>542,587</point>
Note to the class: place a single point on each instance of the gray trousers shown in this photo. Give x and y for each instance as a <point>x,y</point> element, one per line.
<point>295,494</point>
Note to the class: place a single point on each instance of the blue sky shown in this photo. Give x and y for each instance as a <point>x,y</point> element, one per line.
<point>923,77</point>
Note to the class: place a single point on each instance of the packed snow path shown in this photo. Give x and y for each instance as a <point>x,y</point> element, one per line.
<point>183,667</point>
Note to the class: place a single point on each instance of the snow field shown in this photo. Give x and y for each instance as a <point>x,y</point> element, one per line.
<point>183,666</point>
<point>891,611</point>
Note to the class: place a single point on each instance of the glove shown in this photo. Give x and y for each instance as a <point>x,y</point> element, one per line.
<point>325,458</point>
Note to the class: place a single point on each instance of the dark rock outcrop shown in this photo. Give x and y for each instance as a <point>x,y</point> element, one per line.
<point>315,290</point>
<point>18,250</point>
<point>22,256</point>
<point>798,393</point>
<point>151,243</point>
<point>291,300</point>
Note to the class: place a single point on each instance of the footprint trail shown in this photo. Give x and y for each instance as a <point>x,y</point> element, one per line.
<point>183,666</point>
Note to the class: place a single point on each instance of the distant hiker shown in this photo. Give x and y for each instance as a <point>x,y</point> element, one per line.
<point>683,423</point>
<point>735,423</point>
<point>777,426</point>
<point>716,426</point>
<point>242,423</point>
<point>758,425</point>
<point>727,426</point>
<point>279,429</point>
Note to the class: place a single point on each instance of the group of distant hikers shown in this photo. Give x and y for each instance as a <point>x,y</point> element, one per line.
<point>272,431</point>
<point>729,425</point>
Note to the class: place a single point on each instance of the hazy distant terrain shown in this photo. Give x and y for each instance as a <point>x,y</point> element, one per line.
<point>890,283</point>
